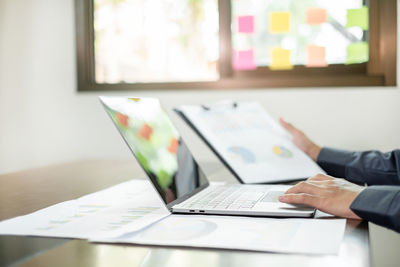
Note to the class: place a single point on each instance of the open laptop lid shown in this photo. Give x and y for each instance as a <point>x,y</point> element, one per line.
<point>157,146</point>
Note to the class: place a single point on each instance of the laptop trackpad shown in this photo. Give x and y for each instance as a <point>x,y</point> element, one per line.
<point>270,201</point>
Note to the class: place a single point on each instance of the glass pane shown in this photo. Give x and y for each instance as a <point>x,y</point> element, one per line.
<point>139,41</point>
<point>283,33</point>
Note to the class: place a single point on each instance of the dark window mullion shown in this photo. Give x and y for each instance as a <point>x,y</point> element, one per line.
<point>225,40</point>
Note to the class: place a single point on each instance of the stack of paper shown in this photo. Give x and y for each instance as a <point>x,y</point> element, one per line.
<point>310,236</point>
<point>132,212</point>
<point>126,207</point>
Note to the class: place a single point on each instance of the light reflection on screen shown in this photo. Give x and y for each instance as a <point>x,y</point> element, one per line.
<point>156,144</point>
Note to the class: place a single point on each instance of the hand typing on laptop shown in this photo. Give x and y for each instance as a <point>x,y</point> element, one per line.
<point>378,203</point>
<point>326,193</point>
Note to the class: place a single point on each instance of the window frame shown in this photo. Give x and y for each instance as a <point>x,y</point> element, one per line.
<point>380,70</point>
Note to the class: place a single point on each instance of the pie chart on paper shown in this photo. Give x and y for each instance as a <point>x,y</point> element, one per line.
<point>282,152</point>
<point>178,229</point>
<point>243,153</point>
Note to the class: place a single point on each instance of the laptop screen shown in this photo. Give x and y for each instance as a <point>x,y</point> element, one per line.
<point>157,146</point>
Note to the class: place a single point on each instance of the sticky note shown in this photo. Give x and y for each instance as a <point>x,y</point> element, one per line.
<point>358,17</point>
<point>123,119</point>
<point>145,131</point>
<point>244,60</point>
<point>315,16</point>
<point>279,22</point>
<point>245,24</point>
<point>316,56</point>
<point>173,145</point>
<point>280,59</point>
<point>357,53</point>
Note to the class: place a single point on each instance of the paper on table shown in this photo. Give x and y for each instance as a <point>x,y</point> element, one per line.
<point>251,143</point>
<point>126,207</point>
<point>310,236</point>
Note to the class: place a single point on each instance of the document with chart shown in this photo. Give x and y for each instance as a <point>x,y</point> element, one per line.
<point>253,146</point>
<point>309,236</point>
<point>126,207</point>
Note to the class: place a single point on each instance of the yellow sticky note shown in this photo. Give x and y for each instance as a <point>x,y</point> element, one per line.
<point>280,59</point>
<point>358,17</point>
<point>357,53</point>
<point>279,22</point>
<point>316,56</point>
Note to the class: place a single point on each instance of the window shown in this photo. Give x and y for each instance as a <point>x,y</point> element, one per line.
<point>184,44</point>
<point>155,41</point>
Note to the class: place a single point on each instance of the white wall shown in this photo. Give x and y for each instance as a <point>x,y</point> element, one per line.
<point>43,120</point>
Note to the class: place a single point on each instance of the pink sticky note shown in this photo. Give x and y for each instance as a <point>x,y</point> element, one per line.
<point>316,16</point>
<point>245,24</point>
<point>244,60</point>
<point>316,56</point>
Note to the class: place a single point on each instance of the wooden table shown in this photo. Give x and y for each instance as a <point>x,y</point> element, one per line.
<point>27,191</point>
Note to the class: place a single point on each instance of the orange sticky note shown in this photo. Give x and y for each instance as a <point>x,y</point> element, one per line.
<point>280,59</point>
<point>123,119</point>
<point>173,145</point>
<point>315,16</point>
<point>316,56</point>
<point>145,132</point>
<point>279,22</point>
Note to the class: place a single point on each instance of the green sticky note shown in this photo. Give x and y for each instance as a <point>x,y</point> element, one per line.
<point>357,53</point>
<point>358,17</point>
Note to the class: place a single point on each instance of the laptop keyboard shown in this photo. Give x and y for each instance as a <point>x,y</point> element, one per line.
<point>232,197</point>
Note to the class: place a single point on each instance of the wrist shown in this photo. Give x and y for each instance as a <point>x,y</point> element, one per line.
<point>313,152</point>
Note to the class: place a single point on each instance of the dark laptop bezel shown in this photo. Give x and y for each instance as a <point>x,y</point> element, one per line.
<point>155,185</point>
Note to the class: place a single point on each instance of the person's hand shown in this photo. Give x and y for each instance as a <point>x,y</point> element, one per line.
<point>301,140</point>
<point>326,193</point>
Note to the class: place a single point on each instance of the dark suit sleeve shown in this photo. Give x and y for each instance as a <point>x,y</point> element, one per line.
<point>380,205</point>
<point>370,167</point>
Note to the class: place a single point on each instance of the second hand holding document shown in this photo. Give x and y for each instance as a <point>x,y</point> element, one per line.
<point>252,145</point>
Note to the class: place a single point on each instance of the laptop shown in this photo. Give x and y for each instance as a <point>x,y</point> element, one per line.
<point>175,174</point>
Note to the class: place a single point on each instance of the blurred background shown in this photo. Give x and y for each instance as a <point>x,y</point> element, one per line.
<point>45,120</point>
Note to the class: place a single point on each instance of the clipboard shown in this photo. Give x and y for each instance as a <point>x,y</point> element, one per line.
<point>210,146</point>
<point>245,173</point>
